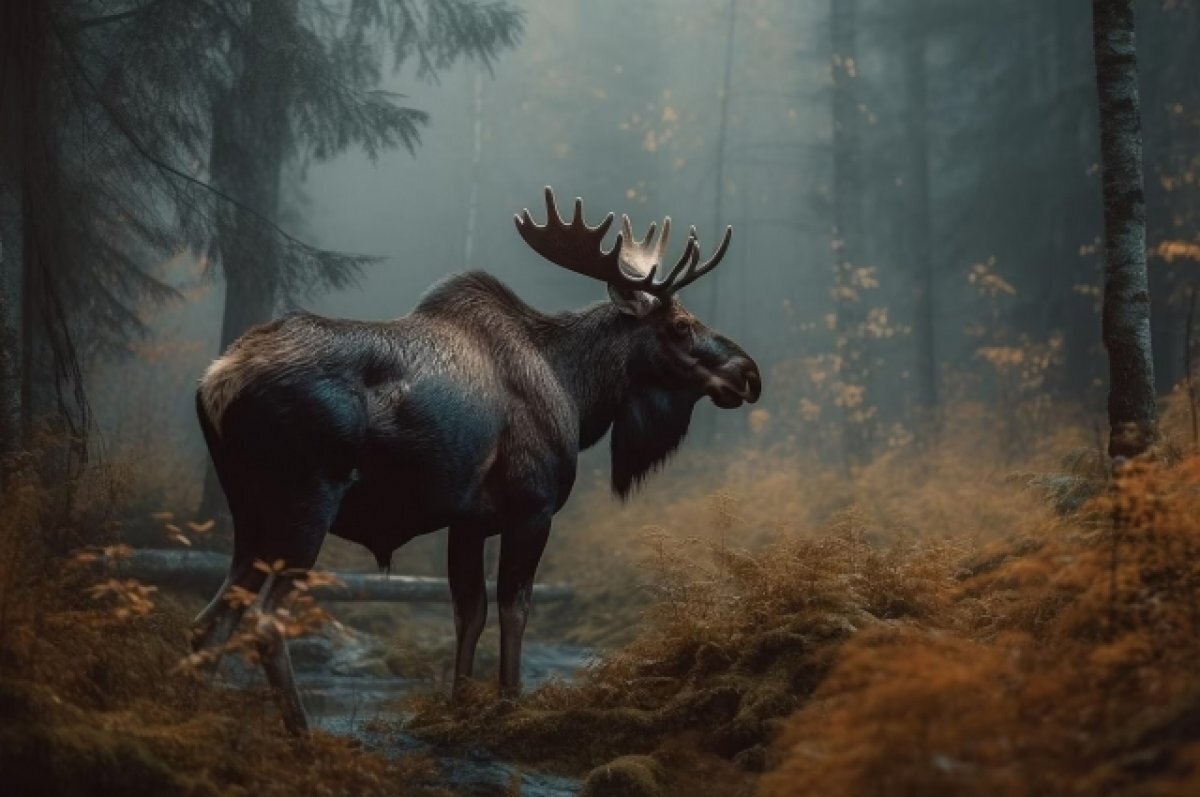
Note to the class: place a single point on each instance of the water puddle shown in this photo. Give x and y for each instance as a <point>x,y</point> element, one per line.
<point>346,694</point>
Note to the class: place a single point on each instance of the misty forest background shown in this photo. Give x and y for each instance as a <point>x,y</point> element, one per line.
<point>917,265</point>
<point>953,178</point>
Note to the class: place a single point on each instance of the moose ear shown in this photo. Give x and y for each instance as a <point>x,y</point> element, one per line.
<point>635,303</point>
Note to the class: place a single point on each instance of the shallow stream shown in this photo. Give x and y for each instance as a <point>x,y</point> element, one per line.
<point>348,691</point>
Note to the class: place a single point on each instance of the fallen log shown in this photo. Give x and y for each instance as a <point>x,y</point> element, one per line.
<point>204,571</point>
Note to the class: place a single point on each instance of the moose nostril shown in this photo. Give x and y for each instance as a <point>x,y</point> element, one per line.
<point>753,384</point>
<point>747,369</point>
<point>744,377</point>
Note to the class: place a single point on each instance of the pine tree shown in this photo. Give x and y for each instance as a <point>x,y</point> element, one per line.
<point>94,113</point>
<point>304,86</point>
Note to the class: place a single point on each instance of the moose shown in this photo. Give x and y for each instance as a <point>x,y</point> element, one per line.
<point>468,414</point>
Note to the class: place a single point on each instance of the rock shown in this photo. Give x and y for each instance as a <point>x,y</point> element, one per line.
<point>628,776</point>
<point>752,759</point>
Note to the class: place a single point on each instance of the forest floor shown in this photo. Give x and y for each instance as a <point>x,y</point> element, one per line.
<point>954,620</point>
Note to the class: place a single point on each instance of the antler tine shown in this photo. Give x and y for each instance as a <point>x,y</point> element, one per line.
<point>641,259</point>
<point>718,255</point>
<point>601,229</point>
<point>691,253</point>
<point>662,242</point>
<point>695,272</point>
<point>553,219</point>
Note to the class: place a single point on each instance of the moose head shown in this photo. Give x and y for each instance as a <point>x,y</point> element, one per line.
<point>684,353</point>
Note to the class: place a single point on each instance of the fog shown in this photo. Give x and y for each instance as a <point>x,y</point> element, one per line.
<point>914,190</point>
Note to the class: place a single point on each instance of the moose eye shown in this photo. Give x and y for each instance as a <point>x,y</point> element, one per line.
<point>682,327</point>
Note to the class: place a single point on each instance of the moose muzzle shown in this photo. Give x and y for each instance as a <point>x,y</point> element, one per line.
<point>735,382</point>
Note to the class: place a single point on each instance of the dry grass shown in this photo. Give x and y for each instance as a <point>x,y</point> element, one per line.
<point>1064,664</point>
<point>962,491</point>
<point>943,631</point>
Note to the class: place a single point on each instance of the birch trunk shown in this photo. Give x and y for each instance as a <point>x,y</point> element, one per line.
<point>1132,412</point>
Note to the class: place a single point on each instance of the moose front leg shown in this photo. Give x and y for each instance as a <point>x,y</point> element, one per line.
<point>469,595</point>
<point>520,551</point>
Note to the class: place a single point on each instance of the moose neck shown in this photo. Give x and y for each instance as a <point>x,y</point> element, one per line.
<point>595,353</point>
<point>589,350</point>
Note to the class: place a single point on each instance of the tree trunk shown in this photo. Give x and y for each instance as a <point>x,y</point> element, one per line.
<point>920,222</point>
<point>847,222</point>
<point>476,159</point>
<point>250,142</point>
<point>12,282</point>
<point>1131,401</point>
<point>715,424</point>
<point>203,571</point>
<point>23,35</point>
<point>719,221</point>
<point>250,145</point>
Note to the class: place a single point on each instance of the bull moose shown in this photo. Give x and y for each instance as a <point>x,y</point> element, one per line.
<point>467,414</point>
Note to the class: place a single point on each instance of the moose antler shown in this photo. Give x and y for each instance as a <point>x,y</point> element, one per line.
<point>630,265</point>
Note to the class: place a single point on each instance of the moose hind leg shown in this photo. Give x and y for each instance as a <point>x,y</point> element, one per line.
<point>277,661</point>
<point>469,595</point>
<point>294,536</point>
<point>213,627</point>
<point>520,551</point>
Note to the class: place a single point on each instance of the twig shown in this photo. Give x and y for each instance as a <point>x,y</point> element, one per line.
<point>92,22</point>
<point>1187,366</point>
